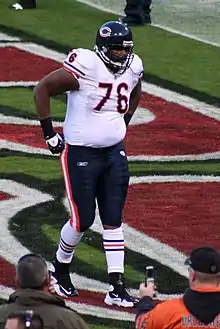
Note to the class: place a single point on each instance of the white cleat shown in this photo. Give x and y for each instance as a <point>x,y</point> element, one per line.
<point>119,296</point>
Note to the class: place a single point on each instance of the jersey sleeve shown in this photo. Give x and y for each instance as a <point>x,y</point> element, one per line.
<point>77,63</point>
<point>137,70</point>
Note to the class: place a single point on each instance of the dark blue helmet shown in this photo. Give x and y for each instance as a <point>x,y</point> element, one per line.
<point>114,45</point>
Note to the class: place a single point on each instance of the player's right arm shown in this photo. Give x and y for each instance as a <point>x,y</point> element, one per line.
<point>55,83</point>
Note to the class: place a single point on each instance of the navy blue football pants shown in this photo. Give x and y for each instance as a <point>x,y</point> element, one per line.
<point>90,174</point>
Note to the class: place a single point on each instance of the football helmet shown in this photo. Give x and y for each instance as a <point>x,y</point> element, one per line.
<point>114,45</point>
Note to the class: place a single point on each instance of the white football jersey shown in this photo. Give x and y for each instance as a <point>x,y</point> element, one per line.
<point>95,112</point>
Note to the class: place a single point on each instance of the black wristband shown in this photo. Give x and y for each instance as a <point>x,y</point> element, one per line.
<point>127,118</point>
<point>47,127</point>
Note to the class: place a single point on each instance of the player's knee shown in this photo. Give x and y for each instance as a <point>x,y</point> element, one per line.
<point>84,228</point>
<point>86,222</point>
<point>86,218</point>
<point>111,222</point>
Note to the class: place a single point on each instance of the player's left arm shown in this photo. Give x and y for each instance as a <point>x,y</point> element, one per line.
<point>133,103</point>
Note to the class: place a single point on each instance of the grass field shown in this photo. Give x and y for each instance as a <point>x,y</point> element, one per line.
<point>172,62</point>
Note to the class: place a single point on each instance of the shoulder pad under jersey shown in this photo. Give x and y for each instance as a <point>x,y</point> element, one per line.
<point>80,62</point>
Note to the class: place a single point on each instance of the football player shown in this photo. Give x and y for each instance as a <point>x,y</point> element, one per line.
<point>104,89</point>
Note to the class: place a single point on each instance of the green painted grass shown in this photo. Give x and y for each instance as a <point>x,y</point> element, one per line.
<point>22,100</point>
<point>186,167</point>
<point>38,167</point>
<point>166,55</point>
<point>45,169</point>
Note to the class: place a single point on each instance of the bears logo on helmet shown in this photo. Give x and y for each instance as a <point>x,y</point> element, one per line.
<point>105,31</point>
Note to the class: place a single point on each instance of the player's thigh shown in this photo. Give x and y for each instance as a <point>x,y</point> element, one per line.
<point>80,176</point>
<point>113,187</point>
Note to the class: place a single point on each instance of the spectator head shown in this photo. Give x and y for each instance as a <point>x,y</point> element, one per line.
<point>32,273</point>
<point>204,267</point>
<point>24,320</point>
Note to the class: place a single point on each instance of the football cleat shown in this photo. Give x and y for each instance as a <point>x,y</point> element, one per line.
<point>119,295</point>
<point>61,280</point>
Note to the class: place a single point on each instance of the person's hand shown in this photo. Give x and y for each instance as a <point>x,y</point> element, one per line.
<point>51,286</point>
<point>149,290</point>
<point>55,143</point>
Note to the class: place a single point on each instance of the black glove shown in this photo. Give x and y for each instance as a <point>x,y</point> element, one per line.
<point>56,144</point>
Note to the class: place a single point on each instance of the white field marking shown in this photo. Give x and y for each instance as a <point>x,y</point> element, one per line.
<point>186,101</point>
<point>163,27</point>
<point>175,178</point>
<point>11,249</point>
<point>22,121</point>
<point>5,292</point>
<point>186,35</point>
<point>18,84</point>
<point>82,308</point>
<point>36,50</point>
<point>5,37</point>
<point>141,116</point>
<point>175,158</point>
<point>101,312</point>
<point>4,144</point>
<point>170,96</point>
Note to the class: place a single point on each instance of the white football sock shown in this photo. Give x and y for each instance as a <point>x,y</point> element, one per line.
<point>69,238</point>
<point>113,241</point>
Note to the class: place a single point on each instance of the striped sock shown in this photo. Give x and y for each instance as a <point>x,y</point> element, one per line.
<point>69,238</point>
<point>113,241</point>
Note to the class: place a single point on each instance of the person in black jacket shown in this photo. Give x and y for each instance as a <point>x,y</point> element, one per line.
<point>137,12</point>
<point>24,4</point>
